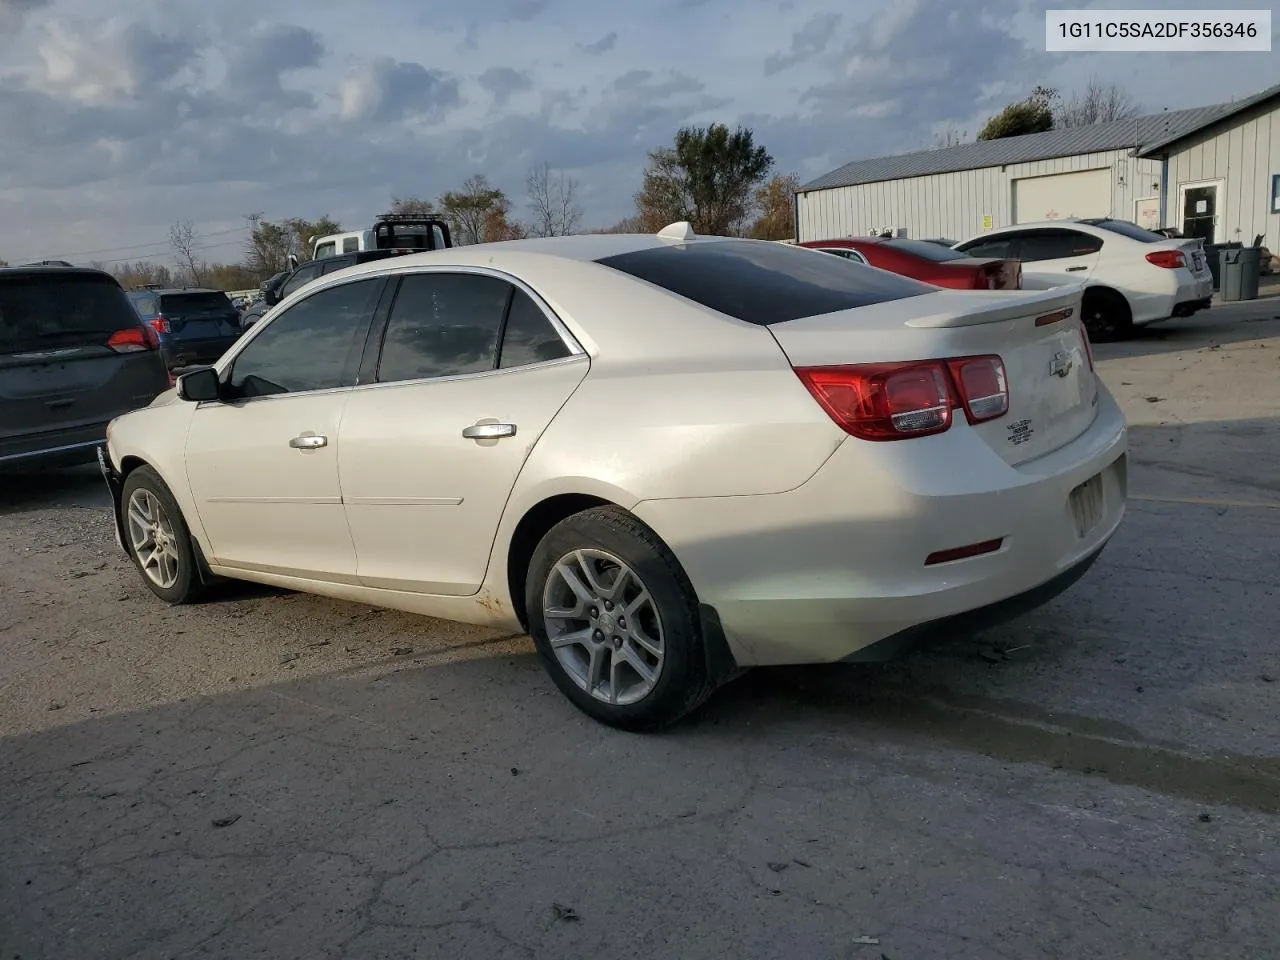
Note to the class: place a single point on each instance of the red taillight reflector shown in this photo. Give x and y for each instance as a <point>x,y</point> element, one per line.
<point>1169,259</point>
<point>133,340</point>
<point>984,388</point>
<point>1088,346</point>
<point>963,553</point>
<point>1054,317</point>
<point>159,324</point>
<point>893,401</point>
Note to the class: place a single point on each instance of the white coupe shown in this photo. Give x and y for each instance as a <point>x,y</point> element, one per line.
<point>667,457</point>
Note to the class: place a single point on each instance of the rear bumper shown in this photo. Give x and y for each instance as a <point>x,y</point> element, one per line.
<point>54,448</point>
<point>1183,297</point>
<point>838,564</point>
<point>177,353</point>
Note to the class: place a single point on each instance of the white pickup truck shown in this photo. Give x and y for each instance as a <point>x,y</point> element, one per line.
<point>390,231</point>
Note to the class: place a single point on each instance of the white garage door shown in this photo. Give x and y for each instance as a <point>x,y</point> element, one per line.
<point>1086,193</point>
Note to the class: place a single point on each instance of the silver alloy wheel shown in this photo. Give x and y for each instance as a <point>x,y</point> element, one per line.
<point>604,626</point>
<point>151,535</point>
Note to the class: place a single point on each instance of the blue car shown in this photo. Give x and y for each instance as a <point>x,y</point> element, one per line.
<point>194,326</point>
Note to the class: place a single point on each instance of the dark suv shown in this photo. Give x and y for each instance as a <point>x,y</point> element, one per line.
<point>194,325</point>
<point>73,355</point>
<point>283,284</point>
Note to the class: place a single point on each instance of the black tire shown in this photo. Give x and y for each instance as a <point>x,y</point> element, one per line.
<point>682,683</point>
<point>1107,316</point>
<point>188,587</point>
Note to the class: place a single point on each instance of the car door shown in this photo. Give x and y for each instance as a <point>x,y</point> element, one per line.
<point>472,369</point>
<point>263,461</point>
<point>1060,252</point>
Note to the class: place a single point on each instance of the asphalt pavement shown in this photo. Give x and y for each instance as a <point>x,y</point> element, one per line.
<point>278,776</point>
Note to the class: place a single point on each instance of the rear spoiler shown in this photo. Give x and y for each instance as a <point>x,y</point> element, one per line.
<point>995,306</point>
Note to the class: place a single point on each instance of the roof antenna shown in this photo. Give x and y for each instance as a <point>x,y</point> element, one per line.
<point>681,232</point>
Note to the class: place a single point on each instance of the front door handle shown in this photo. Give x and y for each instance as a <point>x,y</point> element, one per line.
<point>1074,269</point>
<point>309,441</point>
<point>489,431</point>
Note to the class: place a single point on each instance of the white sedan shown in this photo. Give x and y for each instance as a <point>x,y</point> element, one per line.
<point>668,458</point>
<point>1131,277</point>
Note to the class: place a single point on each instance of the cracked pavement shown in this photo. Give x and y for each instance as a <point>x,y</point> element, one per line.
<point>279,776</point>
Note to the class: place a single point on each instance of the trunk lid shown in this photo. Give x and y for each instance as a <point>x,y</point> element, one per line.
<point>199,316</point>
<point>1193,249</point>
<point>1053,392</point>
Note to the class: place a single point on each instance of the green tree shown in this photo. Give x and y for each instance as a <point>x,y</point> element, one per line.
<point>478,213</point>
<point>271,243</point>
<point>1031,115</point>
<point>706,177</point>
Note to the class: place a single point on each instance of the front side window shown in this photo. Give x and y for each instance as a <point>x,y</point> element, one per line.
<point>326,250</point>
<point>1057,245</point>
<point>314,345</point>
<point>443,325</point>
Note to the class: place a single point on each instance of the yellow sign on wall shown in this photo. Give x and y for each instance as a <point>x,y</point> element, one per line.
<point>986,222</point>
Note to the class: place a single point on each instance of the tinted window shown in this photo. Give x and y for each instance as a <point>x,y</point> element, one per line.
<point>529,336</point>
<point>337,263</point>
<point>314,345</point>
<point>303,275</point>
<point>350,244</point>
<point>326,250</point>
<point>443,325</point>
<point>1005,245</point>
<point>762,282</point>
<point>1056,245</point>
<point>62,310</point>
<point>923,249</point>
<point>207,302</point>
<point>1126,229</point>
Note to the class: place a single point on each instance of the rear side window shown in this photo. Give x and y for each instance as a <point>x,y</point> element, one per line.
<point>761,282</point>
<point>1005,245</point>
<point>195,302</point>
<point>350,244</point>
<point>443,325</point>
<point>1057,245</point>
<point>528,336</point>
<point>63,310</point>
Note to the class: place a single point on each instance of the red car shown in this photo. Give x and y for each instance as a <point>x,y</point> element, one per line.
<point>927,261</point>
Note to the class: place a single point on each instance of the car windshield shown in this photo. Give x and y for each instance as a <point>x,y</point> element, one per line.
<point>39,312</point>
<point>761,282</point>
<point>195,302</point>
<point>1126,229</point>
<point>924,249</point>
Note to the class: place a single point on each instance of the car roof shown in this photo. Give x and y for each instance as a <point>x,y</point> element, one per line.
<point>178,290</point>
<point>52,270</point>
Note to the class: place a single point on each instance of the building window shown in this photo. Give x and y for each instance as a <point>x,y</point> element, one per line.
<point>1275,193</point>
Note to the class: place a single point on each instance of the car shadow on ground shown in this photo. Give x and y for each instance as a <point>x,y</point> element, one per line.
<point>1221,325</point>
<point>24,491</point>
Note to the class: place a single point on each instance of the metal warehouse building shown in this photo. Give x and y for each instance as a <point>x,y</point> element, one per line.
<point>1212,172</point>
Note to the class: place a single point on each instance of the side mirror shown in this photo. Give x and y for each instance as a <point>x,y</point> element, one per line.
<point>199,385</point>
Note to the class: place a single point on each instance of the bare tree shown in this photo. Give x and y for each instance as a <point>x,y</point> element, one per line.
<point>1099,103</point>
<point>413,206</point>
<point>553,199</point>
<point>183,239</point>
<point>950,137</point>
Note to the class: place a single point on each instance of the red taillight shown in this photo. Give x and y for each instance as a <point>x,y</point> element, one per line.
<point>159,324</point>
<point>1169,259</point>
<point>984,389</point>
<point>1088,347</point>
<point>893,401</point>
<point>133,340</point>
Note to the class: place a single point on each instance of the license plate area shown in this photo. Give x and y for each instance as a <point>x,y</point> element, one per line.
<point>1088,502</point>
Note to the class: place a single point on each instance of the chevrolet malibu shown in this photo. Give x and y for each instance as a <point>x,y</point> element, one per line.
<point>667,457</point>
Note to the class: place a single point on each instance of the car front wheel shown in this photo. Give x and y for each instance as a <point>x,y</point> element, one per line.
<point>158,539</point>
<point>615,621</point>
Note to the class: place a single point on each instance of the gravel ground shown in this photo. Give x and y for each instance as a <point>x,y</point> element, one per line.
<point>274,775</point>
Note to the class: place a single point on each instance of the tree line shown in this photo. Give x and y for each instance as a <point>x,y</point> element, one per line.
<point>1045,108</point>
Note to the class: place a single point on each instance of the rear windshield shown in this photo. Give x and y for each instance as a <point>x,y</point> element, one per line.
<point>924,249</point>
<point>42,312</point>
<point>180,303</point>
<point>761,282</point>
<point>145,303</point>
<point>1127,229</point>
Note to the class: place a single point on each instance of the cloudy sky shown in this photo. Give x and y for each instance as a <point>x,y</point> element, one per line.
<point>119,117</point>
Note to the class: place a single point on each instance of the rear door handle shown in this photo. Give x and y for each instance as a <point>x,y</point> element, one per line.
<point>1074,269</point>
<point>489,431</point>
<point>309,441</point>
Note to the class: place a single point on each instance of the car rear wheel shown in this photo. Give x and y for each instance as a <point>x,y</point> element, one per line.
<point>158,539</point>
<point>615,621</point>
<point>1107,316</point>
